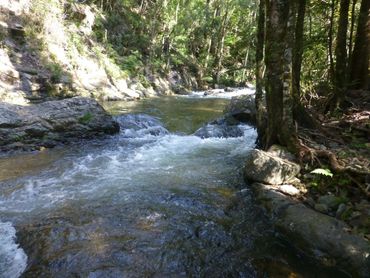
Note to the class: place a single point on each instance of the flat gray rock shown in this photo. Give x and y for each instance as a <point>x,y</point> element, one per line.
<point>50,122</point>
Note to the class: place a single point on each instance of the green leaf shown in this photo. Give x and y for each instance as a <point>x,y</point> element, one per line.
<point>324,172</point>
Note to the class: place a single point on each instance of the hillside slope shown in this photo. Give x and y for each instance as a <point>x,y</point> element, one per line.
<point>49,50</point>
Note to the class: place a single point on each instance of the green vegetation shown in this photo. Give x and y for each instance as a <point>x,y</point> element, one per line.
<point>85,119</point>
<point>324,172</point>
<point>56,71</point>
<point>211,39</point>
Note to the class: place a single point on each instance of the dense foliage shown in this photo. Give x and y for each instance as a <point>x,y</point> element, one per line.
<point>216,40</point>
<point>212,39</point>
<point>300,53</point>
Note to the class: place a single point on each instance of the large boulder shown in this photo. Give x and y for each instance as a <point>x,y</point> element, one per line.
<point>243,109</point>
<point>264,167</point>
<point>315,233</point>
<point>50,122</point>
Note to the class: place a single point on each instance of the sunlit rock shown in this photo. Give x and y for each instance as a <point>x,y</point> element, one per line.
<point>50,122</point>
<point>263,167</point>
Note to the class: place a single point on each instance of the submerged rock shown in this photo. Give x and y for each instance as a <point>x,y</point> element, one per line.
<point>264,167</point>
<point>317,234</point>
<point>50,122</point>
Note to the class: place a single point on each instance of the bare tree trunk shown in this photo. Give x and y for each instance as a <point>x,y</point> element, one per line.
<point>220,55</point>
<point>297,53</point>
<point>221,42</point>
<point>330,40</point>
<point>350,43</point>
<point>210,40</point>
<point>245,64</point>
<point>341,56</point>
<point>359,74</point>
<point>259,98</point>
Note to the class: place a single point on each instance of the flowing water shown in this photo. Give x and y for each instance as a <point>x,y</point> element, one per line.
<point>152,201</point>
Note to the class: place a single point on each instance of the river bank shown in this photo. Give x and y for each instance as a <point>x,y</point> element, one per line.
<point>304,202</point>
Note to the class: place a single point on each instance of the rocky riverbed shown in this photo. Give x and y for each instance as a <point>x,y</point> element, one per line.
<point>273,174</point>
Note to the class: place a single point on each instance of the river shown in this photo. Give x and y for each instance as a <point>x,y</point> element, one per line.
<point>152,201</point>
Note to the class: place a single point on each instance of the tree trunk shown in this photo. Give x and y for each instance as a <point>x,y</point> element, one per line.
<point>278,56</point>
<point>350,43</point>
<point>210,36</point>
<point>245,63</point>
<point>330,40</point>
<point>359,74</point>
<point>297,53</point>
<point>221,43</point>
<point>259,99</point>
<point>341,56</point>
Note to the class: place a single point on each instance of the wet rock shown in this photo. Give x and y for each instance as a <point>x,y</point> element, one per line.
<point>213,92</point>
<point>229,89</point>
<point>263,167</point>
<point>53,121</point>
<point>180,90</point>
<point>330,201</point>
<point>221,128</point>
<point>243,109</point>
<point>140,125</point>
<point>322,208</point>
<point>316,233</point>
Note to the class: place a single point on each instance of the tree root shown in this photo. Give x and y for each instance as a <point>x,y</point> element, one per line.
<point>306,153</point>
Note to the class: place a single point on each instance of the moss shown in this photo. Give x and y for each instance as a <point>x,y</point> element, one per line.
<point>85,119</point>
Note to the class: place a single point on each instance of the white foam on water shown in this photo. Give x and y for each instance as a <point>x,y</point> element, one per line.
<point>164,157</point>
<point>13,260</point>
<point>220,93</point>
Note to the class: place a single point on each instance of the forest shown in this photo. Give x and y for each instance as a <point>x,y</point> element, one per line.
<point>184,138</point>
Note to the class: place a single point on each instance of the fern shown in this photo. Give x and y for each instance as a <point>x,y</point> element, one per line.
<point>324,172</point>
